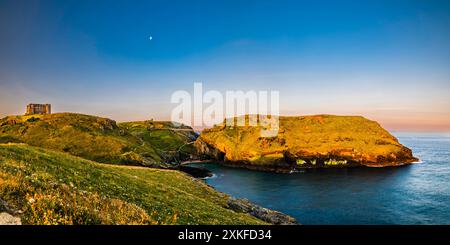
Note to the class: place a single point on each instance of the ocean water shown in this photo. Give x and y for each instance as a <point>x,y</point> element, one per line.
<point>414,194</point>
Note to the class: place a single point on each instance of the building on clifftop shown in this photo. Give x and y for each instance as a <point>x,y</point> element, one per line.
<point>38,109</point>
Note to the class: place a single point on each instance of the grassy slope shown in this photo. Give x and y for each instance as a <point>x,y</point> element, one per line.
<point>169,142</point>
<point>309,137</point>
<point>94,138</point>
<point>57,188</point>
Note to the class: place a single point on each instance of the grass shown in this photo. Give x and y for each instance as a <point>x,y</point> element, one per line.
<point>50,187</point>
<point>310,140</point>
<point>171,142</point>
<point>100,139</point>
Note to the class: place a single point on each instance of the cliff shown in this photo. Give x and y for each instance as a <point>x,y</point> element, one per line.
<point>322,141</point>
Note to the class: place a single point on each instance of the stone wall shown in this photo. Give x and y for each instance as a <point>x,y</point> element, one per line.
<point>38,109</point>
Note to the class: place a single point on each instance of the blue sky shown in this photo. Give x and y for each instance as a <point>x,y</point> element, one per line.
<point>386,60</point>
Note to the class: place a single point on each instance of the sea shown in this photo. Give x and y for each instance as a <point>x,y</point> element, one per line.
<point>407,195</point>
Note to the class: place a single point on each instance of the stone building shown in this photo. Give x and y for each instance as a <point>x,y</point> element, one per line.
<point>38,109</point>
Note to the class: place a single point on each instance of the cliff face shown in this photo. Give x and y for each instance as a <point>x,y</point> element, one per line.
<point>322,141</point>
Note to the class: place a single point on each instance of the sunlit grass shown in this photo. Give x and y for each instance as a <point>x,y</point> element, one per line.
<point>322,140</point>
<point>100,139</point>
<point>48,187</point>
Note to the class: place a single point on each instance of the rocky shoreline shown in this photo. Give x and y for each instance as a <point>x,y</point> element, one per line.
<point>292,169</point>
<point>243,205</point>
<point>287,165</point>
<point>196,172</point>
<point>264,214</point>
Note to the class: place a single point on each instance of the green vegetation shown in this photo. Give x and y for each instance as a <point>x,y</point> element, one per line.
<point>50,187</point>
<point>333,162</point>
<point>171,142</point>
<point>145,143</point>
<point>300,162</point>
<point>309,141</point>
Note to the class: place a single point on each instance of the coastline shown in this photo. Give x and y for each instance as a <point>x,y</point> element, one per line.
<point>245,206</point>
<point>293,168</point>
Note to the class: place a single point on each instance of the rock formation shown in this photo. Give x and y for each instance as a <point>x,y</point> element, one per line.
<point>7,219</point>
<point>322,141</point>
<point>267,215</point>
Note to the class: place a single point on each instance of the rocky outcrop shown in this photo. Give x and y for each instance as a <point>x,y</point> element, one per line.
<point>264,214</point>
<point>207,151</point>
<point>7,214</point>
<point>7,219</point>
<point>196,172</point>
<point>322,141</point>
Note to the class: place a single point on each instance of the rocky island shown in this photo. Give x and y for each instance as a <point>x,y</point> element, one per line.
<point>321,141</point>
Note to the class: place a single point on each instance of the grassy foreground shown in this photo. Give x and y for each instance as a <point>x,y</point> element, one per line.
<point>48,187</point>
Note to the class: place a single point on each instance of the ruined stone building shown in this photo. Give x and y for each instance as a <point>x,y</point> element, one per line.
<point>38,109</point>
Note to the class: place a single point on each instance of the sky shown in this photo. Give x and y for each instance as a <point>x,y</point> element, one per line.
<point>386,60</point>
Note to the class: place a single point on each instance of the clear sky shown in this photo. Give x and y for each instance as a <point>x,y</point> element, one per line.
<point>386,60</point>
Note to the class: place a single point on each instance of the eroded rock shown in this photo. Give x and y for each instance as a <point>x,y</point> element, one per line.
<point>267,215</point>
<point>8,219</point>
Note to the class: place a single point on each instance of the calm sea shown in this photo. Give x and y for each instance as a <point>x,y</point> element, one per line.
<point>415,194</point>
